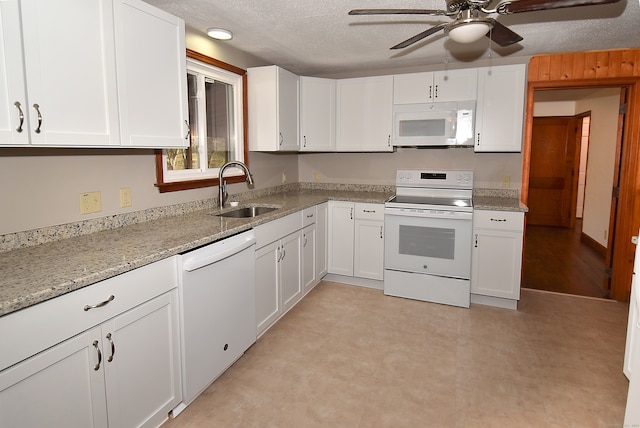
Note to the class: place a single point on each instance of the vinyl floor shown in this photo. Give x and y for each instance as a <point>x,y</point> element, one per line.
<point>349,356</point>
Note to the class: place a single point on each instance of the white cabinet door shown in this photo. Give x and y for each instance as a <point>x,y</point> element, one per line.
<point>497,254</point>
<point>309,258</point>
<point>69,55</point>
<point>141,358</point>
<point>62,386</point>
<point>369,249</point>
<point>273,109</point>
<point>13,95</point>
<point>364,114</point>
<point>500,109</point>
<point>438,86</point>
<point>322,211</point>
<point>290,267</point>
<point>341,237</point>
<point>152,76</point>
<point>268,306</point>
<point>317,114</point>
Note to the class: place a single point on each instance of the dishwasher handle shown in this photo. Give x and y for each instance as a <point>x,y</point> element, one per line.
<point>235,245</point>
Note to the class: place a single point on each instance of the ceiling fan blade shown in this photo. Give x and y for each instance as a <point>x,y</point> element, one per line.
<point>518,6</point>
<point>502,35</point>
<point>397,12</point>
<point>419,37</point>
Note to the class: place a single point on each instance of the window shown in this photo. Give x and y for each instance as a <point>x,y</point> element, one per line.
<point>217,120</point>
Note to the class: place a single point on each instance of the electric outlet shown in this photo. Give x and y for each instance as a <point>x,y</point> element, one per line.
<point>284,178</point>
<point>506,181</point>
<point>90,202</point>
<point>317,177</point>
<point>125,197</point>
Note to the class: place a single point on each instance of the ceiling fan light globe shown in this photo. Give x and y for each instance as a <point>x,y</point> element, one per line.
<point>469,32</point>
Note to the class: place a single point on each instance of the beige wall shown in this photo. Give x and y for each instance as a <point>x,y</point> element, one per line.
<point>603,105</point>
<point>380,168</point>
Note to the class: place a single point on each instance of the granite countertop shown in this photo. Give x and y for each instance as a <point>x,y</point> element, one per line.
<point>498,203</point>
<point>34,274</point>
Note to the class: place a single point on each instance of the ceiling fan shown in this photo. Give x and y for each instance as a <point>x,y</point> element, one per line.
<point>471,22</point>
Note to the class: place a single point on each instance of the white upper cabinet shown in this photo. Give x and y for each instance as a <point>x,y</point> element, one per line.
<point>317,114</point>
<point>60,83</point>
<point>500,108</point>
<point>69,69</point>
<point>437,86</point>
<point>273,94</point>
<point>152,76</point>
<point>363,110</point>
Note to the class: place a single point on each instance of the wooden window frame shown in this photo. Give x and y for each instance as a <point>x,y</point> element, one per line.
<point>208,182</point>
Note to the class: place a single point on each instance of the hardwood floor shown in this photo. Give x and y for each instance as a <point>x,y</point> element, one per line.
<point>556,260</point>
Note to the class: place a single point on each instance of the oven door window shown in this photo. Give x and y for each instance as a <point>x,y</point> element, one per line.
<point>438,246</point>
<point>422,241</point>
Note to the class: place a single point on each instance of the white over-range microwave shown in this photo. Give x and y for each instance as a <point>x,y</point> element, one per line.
<point>434,124</point>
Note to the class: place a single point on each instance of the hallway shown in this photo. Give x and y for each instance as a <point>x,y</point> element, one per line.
<point>556,260</point>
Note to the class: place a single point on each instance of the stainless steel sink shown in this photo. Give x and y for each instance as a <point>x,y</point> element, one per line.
<point>247,212</point>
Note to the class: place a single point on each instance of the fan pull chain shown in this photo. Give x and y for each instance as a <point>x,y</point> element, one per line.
<point>446,53</point>
<point>490,40</point>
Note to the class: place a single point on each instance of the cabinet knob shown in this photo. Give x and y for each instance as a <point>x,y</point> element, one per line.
<point>226,346</point>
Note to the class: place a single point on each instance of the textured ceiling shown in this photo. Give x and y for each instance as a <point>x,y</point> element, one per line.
<point>318,38</point>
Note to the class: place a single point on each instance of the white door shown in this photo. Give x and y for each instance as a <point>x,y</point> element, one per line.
<point>364,114</point>
<point>140,350</point>
<point>268,307</point>
<point>291,269</point>
<point>317,114</point>
<point>496,263</point>
<point>13,95</point>
<point>309,258</point>
<point>60,387</point>
<point>341,235</point>
<point>152,76</point>
<point>369,249</point>
<point>500,108</point>
<point>288,87</point>
<point>70,72</point>
<point>321,240</point>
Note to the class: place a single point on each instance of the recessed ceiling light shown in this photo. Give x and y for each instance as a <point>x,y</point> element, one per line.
<point>219,33</point>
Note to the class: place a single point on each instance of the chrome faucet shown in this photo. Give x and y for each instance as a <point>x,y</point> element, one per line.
<point>222,183</point>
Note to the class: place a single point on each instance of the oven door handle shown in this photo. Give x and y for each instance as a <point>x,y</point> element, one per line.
<point>430,214</point>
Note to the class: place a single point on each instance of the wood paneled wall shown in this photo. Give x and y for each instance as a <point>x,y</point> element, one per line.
<point>614,68</point>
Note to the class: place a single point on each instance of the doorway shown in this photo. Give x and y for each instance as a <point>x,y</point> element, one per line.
<point>571,215</point>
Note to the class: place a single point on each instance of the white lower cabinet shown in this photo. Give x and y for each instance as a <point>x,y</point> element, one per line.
<point>278,268</point>
<point>322,256</point>
<point>356,239</point>
<point>309,249</point>
<point>124,372</point>
<point>496,257</point>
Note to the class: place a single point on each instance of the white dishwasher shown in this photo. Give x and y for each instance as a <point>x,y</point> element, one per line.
<point>218,321</point>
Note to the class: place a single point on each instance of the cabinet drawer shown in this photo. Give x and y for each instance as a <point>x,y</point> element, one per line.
<point>369,211</point>
<point>41,326</point>
<point>501,220</point>
<point>276,229</point>
<point>309,216</point>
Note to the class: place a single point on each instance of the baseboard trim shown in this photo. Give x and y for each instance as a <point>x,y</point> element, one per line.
<point>352,280</point>
<point>590,242</point>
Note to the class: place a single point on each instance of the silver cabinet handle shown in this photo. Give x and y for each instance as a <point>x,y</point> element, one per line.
<point>37,107</point>
<point>281,138</point>
<point>101,304</point>
<point>369,211</point>
<point>381,227</point>
<point>95,345</point>
<point>284,253</point>
<point>478,139</point>
<point>430,86</point>
<point>436,91</point>
<point>309,215</point>
<point>279,255</point>
<point>21,115</point>
<point>351,214</point>
<point>305,240</point>
<point>188,136</point>
<point>113,347</point>
<point>476,245</point>
<point>498,219</point>
<point>304,138</point>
